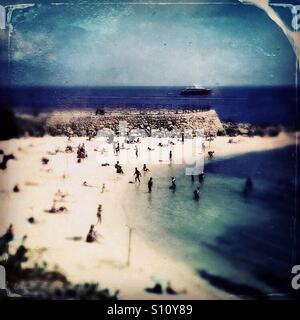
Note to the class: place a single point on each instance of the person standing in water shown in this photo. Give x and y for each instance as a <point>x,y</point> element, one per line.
<point>137,175</point>
<point>197,193</point>
<point>150,184</point>
<point>173,184</point>
<point>248,186</point>
<point>201,177</point>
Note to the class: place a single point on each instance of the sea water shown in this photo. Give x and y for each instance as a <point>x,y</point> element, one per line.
<point>259,105</point>
<point>241,244</point>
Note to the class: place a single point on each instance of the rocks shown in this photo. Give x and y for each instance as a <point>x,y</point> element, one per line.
<point>78,123</point>
<point>273,131</point>
<point>82,123</point>
<point>233,129</point>
<point>221,132</point>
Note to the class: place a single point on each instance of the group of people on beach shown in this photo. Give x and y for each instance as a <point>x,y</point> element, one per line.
<point>92,235</point>
<point>137,174</point>
<point>196,192</point>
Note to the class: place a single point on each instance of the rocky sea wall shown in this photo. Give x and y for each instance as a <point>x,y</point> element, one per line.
<point>89,122</point>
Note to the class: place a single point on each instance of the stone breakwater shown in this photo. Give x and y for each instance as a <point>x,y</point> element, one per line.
<point>88,122</point>
<point>84,123</point>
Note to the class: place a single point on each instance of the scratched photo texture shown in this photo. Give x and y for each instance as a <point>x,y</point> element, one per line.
<point>240,241</point>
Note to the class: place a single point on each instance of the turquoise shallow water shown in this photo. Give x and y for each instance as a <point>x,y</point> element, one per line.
<point>228,239</point>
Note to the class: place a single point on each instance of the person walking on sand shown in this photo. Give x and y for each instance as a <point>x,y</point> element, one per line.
<point>150,184</point>
<point>170,155</point>
<point>99,214</point>
<point>137,175</point>
<point>118,148</point>
<point>136,151</point>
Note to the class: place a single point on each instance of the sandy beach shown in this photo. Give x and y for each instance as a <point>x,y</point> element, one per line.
<point>59,239</point>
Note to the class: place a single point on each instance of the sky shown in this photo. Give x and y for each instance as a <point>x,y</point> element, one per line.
<point>148,45</point>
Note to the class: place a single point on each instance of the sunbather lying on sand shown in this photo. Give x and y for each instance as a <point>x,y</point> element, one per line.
<point>55,210</point>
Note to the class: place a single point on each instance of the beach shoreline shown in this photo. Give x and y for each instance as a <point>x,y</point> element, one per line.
<point>50,238</point>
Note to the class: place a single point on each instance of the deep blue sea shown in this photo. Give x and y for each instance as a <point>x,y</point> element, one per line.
<point>259,105</point>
